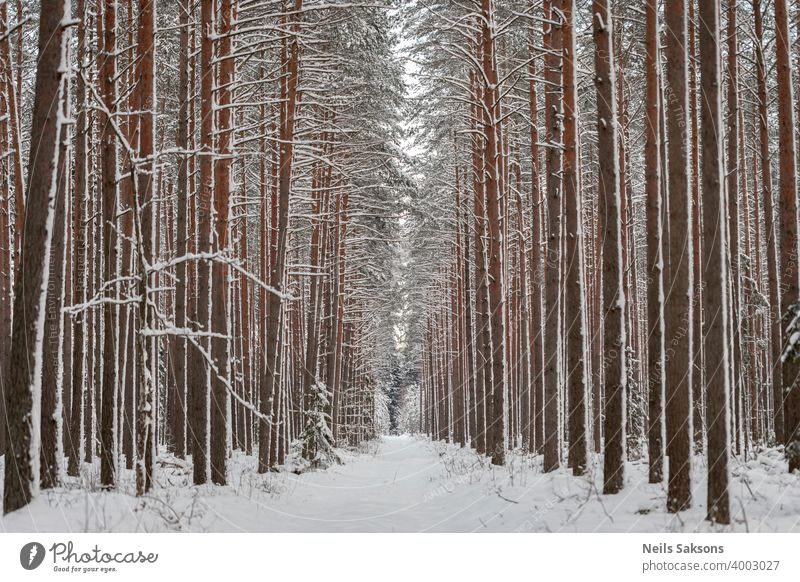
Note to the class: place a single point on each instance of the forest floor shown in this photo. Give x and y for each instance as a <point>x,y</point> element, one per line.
<point>406,484</point>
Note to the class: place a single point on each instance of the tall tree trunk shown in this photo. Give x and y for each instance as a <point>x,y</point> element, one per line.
<point>79,253</point>
<point>10,244</point>
<point>717,379</point>
<point>469,332</point>
<point>788,219</point>
<point>52,352</point>
<point>774,322</point>
<point>13,96</point>
<point>677,312</point>
<point>108,138</point>
<point>655,289</point>
<point>483,347</point>
<point>575,296</point>
<point>552,258</point>
<point>613,281</point>
<point>732,190</point>
<point>493,159</point>
<point>23,391</point>
<point>269,383</point>
<point>319,237</point>
<point>535,263</point>
<point>143,217</point>
<point>698,369</point>
<point>199,372</point>
<point>5,226</point>
<point>219,307</point>
<point>178,420</point>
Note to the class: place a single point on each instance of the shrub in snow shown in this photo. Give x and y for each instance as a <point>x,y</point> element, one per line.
<point>793,454</point>
<point>790,353</point>
<point>792,349</point>
<point>316,448</point>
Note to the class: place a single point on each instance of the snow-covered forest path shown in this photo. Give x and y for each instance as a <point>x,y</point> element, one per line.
<point>396,484</point>
<point>406,484</point>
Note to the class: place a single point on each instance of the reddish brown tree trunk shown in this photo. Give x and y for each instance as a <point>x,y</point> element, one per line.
<point>655,307</point>
<point>25,361</point>
<point>493,159</point>
<point>717,385</point>
<point>575,293</point>
<point>613,293</point>
<point>769,225</point>
<point>108,138</point>
<point>178,420</point>
<point>732,192</point>
<point>270,380</point>
<point>219,306</point>
<point>552,257</point>
<point>677,311</point>
<point>788,220</point>
<point>52,353</point>
<point>143,216</point>
<point>199,372</point>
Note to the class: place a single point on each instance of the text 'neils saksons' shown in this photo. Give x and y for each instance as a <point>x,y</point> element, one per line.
<point>664,548</point>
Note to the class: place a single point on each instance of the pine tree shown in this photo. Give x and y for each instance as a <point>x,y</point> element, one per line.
<point>492,162</point>
<point>144,208</point>
<point>787,209</point>
<point>178,424</point>
<point>613,292</point>
<point>655,291</point>
<point>774,323</point>
<point>220,350</point>
<point>552,261</point>
<point>23,391</point>
<point>107,63</point>
<point>574,299</point>
<point>717,379</point>
<point>678,282</point>
<point>269,382</point>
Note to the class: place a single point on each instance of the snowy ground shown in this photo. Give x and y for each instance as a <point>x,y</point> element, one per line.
<point>404,484</point>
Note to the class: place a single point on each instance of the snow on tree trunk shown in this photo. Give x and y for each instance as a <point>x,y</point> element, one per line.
<point>717,377</point>
<point>107,415</point>
<point>23,391</point>
<point>552,244</point>
<point>655,260</point>
<point>575,298</point>
<point>614,339</point>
